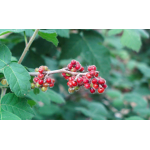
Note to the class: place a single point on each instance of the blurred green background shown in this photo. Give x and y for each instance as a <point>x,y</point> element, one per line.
<point>121,55</point>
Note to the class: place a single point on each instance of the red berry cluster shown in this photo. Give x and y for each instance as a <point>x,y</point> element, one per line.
<point>90,80</point>
<point>39,81</point>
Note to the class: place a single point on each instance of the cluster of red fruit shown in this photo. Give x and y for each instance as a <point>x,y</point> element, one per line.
<point>89,80</point>
<point>40,82</point>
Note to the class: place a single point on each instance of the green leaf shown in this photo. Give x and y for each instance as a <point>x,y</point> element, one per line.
<point>18,79</point>
<point>136,98</point>
<point>62,32</point>
<point>36,91</point>
<point>57,98</point>
<point>5,31</point>
<point>114,31</point>
<point>5,115</point>
<point>134,118</point>
<point>5,56</point>
<point>94,110</point>
<point>45,97</point>
<point>92,51</point>
<point>142,33</point>
<point>112,93</point>
<point>131,39</point>
<point>18,106</point>
<point>49,35</point>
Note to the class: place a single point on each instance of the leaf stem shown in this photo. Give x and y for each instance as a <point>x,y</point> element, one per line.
<point>25,38</point>
<point>27,46</point>
<point>3,91</point>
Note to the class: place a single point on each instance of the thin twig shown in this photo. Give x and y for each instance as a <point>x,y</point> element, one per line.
<point>27,46</point>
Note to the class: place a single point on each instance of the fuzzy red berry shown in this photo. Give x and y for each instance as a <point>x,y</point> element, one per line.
<point>51,85</point>
<point>95,86</point>
<point>93,67</point>
<point>73,62</point>
<point>104,86</point>
<point>81,69</point>
<point>96,74</point>
<point>101,80</point>
<point>92,73</point>
<point>89,68</point>
<point>46,85</point>
<point>40,70</point>
<point>94,81</point>
<point>88,75</point>
<point>36,79</point>
<point>73,70</point>
<point>70,66</point>
<point>79,80</point>
<point>71,79</point>
<point>63,74</point>
<point>48,80</point>
<point>66,77</point>
<point>92,90</point>
<point>74,83</point>
<point>53,80</point>
<point>40,82</point>
<point>85,81</point>
<point>101,90</point>
<point>40,76</point>
<point>87,85</point>
<point>42,67</point>
<point>78,66</point>
<point>69,83</point>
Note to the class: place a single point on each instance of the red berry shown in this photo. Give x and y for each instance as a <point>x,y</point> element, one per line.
<point>96,74</point>
<point>53,80</point>
<point>66,77</point>
<point>104,86</point>
<point>84,77</point>
<point>88,75</point>
<point>89,68</point>
<point>36,79</point>
<point>69,83</point>
<point>92,73</point>
<point>63,74</point>
<point>92,90</point>
<point>73,70</point>
<point>101,80</point>
<point>87,85</point>
<point>42,67</point>
<point>85,81</point>
<point>94,81</point>
<point>71,79</point>
<point>74,83</point>
<point>45,85</point>
<point>73,62</point>
<point>78,66</point>
<point>48,80</point>
<point>79,80</point>
<point>95,86</point>
<point>70,66</point>
<point>101,90</point>
<point>81,69</point>
<point>51,85</point>
<point>40,82</point>
<point>93,67</point>
<point>40,70</point>
<point>40,76</point>
<point>77,62</point>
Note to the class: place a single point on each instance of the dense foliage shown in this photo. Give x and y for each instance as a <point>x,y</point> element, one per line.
<point>121,55</point>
